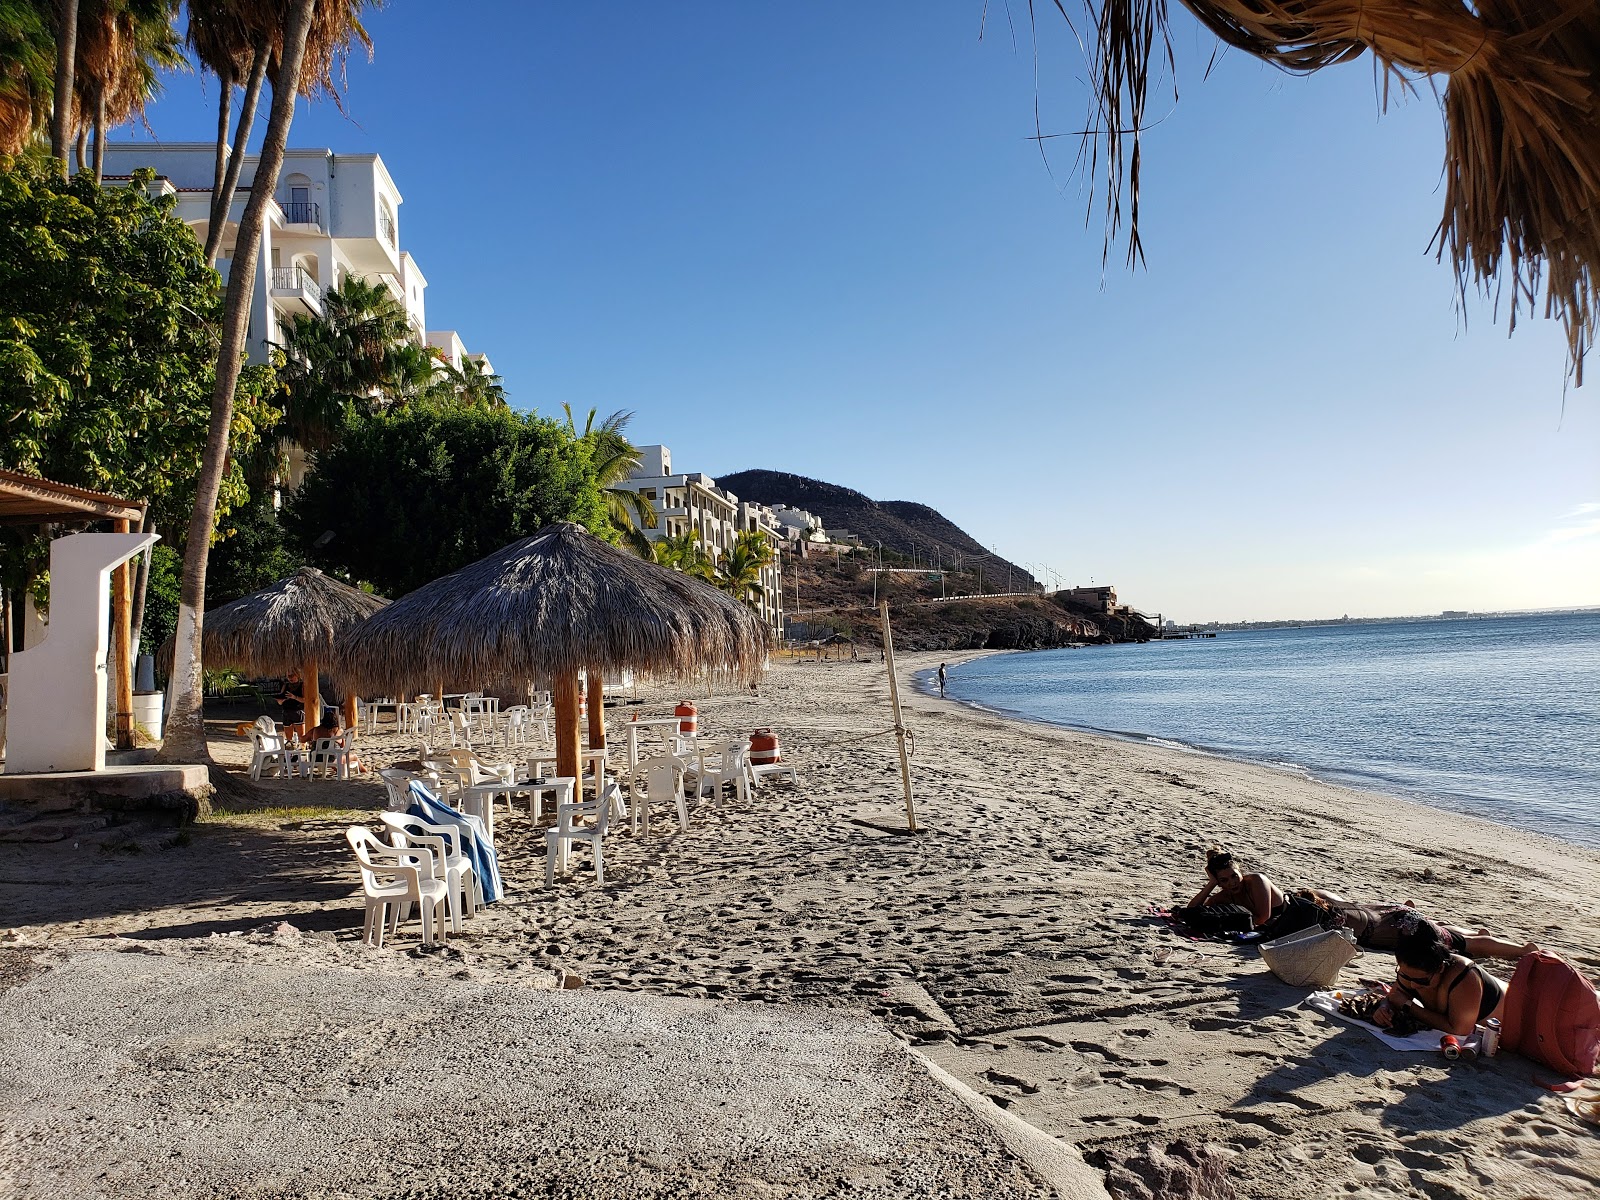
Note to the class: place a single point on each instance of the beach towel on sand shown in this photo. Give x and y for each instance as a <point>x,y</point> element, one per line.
<point>1423,1039</point>
<point>475,843</point>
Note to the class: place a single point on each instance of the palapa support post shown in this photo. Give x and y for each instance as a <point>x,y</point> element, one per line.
<point>348,711</point>
<point>564,699</point>
<point>597,710</point>
<point>899,726</point>
<point>122,644</point>
<point>311,690</point>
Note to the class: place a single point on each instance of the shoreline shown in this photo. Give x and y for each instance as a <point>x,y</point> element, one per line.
<point>1451,805</point>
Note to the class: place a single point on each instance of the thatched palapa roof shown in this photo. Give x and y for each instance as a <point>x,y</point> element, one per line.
<point>1521,110</point>
<point>298,620</point>
<point>550,605</point>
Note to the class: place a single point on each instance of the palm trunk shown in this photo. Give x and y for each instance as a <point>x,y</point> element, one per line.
<point>80,161</point>
<point>222,201</point>
<point>66,74</point>
<point>186,735</point>
<point>100,136</point>
<point>220,167</point>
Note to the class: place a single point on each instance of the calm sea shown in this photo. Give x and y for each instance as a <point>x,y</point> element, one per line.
<point>1498,717</point>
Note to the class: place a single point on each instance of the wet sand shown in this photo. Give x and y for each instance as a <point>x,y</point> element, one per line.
<point>1008,939</point>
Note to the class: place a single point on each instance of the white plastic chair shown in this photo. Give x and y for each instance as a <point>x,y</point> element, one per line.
<point>273,757</point>
<point>449,863</point>
<point>334,756</point>
<point>760,771</point>
<point>396,781</point>
<point>392,879</point>
<point>514,725</point>
<point>570,829</point>
<point>663,783</point>
<point>732,766</point>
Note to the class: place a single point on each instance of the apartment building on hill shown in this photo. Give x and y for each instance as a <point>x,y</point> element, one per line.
<point>692,501</point>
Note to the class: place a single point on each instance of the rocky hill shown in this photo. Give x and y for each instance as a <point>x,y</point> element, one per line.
<point>912,531</point>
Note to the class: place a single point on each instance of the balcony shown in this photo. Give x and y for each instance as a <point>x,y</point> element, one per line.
<point>303,212</point>
<point>299,292</point>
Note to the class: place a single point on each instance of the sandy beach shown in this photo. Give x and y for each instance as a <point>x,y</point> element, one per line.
<point>1008,941</point>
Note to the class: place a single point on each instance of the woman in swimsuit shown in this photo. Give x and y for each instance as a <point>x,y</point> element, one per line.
<point>1226,885</point>
<point>1441,988</point>
<point>1378,927</point>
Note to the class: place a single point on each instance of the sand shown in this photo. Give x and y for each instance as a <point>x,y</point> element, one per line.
<point>1008,941</point>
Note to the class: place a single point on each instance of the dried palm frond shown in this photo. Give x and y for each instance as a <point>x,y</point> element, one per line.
<point>550,605</point>
<point>1521,108</point>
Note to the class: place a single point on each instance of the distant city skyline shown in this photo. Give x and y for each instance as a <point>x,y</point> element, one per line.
<point>823,241</point>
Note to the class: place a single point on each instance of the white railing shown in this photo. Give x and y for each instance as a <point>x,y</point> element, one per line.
<point>296,279</point>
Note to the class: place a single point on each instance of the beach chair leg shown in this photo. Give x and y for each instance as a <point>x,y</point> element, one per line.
<point>599,863</point>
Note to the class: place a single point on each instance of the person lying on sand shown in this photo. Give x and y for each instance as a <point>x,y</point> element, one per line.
<point>1226,886</point>
<point>1378,926</point>
<point>1440,988</point>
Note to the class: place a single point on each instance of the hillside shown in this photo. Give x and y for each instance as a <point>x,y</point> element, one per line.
<point>824,597</point>
<point>912,531</point>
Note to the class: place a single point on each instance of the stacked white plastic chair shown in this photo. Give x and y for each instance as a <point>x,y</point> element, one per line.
<point>392,879</point>
<point>450,865</point>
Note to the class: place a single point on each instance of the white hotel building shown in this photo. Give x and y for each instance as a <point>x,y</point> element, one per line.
<point>333,215</point>
<point>693,501</point>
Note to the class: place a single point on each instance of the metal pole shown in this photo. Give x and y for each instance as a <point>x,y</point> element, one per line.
<point>899,727</point>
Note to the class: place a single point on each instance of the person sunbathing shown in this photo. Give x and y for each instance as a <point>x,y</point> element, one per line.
<point>1230,889</point>
<point>1378,927</point>
<point>1439,987</point>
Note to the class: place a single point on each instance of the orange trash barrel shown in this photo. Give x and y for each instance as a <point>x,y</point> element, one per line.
<point>764,748</point>
<point>688,717</point>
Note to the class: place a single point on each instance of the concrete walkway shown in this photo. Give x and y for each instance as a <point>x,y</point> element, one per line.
<point>188,1075</point>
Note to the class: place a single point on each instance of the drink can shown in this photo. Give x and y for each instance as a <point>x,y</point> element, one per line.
<point>1450,1044</point>
<point>1491,1037</point>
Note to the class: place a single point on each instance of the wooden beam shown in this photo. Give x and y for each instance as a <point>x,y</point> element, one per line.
<point>310,688</point>
<point>899,725</point>
<point>122,646</point>
<point>564,698</point>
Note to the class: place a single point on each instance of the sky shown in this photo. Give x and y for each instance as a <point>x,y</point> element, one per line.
<point>822,238</point>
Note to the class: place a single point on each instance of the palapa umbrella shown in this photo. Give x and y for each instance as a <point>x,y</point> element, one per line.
<point>548,607</point>
<point>1521,107</point>
<point>295,624</point>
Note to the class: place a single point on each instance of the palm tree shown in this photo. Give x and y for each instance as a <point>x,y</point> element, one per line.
<point>228,47</point>
<point>307,35</point>
<point>615,458</point>
<point>739,571</point>
<point>683,552</point>
<point>122,46</point>
<point>27,72</point>
<point>471,385</point>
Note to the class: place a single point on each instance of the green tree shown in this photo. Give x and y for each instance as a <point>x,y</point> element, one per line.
<point>108,336</point>
<point>357,357</point>
<point>471,385</point>
<point>739,570</point>
<point>252,550</point>
<point>683,552</point>
<point>616,458</point>
<point>412,495</point>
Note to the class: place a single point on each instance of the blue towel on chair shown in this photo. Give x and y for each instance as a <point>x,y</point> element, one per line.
<point>475,843</point>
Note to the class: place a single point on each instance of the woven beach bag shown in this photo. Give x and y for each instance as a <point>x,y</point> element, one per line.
<point>1311,958</point>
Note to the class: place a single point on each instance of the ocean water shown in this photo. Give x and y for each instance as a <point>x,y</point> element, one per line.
<point>1498,717</point>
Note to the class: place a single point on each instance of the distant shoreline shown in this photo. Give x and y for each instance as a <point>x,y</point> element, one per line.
<point>1421,619</point>
<point>1479,808</point>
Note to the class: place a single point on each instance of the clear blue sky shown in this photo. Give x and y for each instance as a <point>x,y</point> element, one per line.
<point>817,238</point>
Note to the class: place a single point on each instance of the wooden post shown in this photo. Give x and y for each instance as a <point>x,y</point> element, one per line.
<point>122,646</point>
<point>311,689</point>
<point>348,711</point>
<point>597,710</point>
<point>899,727</point>
<point>564,699</point>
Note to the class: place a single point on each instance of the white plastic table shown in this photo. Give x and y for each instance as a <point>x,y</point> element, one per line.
<point>633,728</point>
<point>478,800</point>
